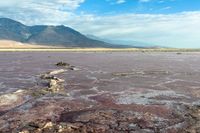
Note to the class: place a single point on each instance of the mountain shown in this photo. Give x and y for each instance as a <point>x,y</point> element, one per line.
<point>47,35</point>
<point>12,30</point>
<point>135,44</point>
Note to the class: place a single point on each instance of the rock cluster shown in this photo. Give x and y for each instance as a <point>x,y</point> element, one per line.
<point>54,83</point>
<point>113,120</point>
<point>193,117</point>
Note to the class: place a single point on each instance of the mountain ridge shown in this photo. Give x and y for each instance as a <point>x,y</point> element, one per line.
<point>48,35</point>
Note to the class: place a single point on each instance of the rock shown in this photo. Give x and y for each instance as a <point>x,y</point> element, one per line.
<point>47,76</point>
<point>34,125</point>
<point>54,89</point>
<point>51,77</point>
<point>194,119</point>
<point>8,99</point>
<point>55,85</point>
<point>24,131</point>
<point>67,66</point>
<point>73,68</point>
<point>48,125</point>
<point>55,72</point>
<point>40,92</point>
<point>196,93</point>
<point>52,83</point>
<point>11,98</point>
<point>62,64</point>
<point>19,91</point>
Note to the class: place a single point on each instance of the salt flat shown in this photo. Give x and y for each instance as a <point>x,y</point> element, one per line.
<point>107,92</point>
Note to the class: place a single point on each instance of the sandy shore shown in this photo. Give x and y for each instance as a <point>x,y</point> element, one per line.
<point>7,44</point>
<point>12,46</point>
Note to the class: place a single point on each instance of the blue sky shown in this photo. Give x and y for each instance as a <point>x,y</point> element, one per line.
<point>139,6</point>
<point>171,23</point>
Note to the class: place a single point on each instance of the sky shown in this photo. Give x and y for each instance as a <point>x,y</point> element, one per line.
<point>169,23</point>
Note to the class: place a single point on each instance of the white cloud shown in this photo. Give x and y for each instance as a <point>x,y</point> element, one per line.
<point>68,4</point>
<point>174,30</point>
<point>113,2</point>
<point>166,8</point>
<point>39,11</point>
<point>120,1</point>
<point>159,1</point>
<point>11,3</point>
<point>144,0</point>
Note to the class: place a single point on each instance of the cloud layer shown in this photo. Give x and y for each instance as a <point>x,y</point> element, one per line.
<point>68,4</point>
<point>173,30</point>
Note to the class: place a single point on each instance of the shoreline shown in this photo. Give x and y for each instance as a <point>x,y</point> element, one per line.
<point>95,50</point>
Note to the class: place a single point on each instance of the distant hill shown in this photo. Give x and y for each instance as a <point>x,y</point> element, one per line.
<point>135,44</point>
<point>48,35</point>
